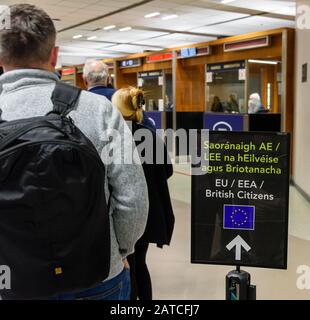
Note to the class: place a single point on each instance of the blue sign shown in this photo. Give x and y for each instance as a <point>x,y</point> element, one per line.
<point>130,63</point>
<point>156,118</point>
<point>188,52</point>
<point>239,217</point>
<point>223,122</point>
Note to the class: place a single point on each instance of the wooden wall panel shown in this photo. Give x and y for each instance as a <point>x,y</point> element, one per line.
<point>289,52</point>
<point>124,80</point>
<point>190,88</point>
<point>190,84</point>
<point>149,67</point>
<point>80,81</point>
<point>290,73</point>
<point>218,54</point>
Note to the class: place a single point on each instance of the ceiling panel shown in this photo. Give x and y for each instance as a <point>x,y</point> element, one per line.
<point>128,36</point>
<point>194,16</point>
<point>130,48</point>
<point>175,39</point>
<point>275,6</point>
<point>86,44</point>
<point>246,25</point>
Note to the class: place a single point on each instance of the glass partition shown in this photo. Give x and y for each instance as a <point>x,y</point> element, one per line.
<point>225,87</point>
<point>168,90</point>
<point>265,81</point>
<point>111,78</point>
<point>158,89</point>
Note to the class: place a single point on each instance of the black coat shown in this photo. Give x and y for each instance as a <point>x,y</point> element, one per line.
<point>160,221</point>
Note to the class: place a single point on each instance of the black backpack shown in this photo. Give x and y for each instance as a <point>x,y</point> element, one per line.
<point>54,222</point>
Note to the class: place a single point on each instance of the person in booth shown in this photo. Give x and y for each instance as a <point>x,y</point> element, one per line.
<point>96,76</point>
<point>160,223</point>
<point>255,104</point>
<point>217,105</point>
<point>233,104</point>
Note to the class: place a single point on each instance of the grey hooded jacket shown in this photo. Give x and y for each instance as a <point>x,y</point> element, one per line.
<point>26,93</point>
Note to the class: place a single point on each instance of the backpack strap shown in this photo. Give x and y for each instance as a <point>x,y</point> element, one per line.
<point>1,120</point>
<point>64,98</point>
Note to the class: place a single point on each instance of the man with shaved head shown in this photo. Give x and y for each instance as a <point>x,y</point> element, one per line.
<point>96,74</point>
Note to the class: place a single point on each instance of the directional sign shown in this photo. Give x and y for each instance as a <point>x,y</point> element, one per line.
<point>238,243</point>
<point>240,198</point>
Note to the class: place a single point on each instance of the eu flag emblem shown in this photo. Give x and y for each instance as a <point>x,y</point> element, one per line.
<point>239,217</point>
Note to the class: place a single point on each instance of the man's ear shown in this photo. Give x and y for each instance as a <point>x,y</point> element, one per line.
<point>85,82</point>
<point>54,58</point>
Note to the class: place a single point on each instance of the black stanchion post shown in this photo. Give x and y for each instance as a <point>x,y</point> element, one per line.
<point>238,286</point>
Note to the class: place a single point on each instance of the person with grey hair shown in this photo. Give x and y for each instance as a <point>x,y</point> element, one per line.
<point>255,104</point>
<point>28,55</point>
<point>96,74</point>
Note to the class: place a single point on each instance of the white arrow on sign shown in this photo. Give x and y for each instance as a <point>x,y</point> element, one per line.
<point>238,242</point>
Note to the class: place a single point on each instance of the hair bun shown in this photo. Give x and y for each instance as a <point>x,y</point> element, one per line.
<point>137,98</point>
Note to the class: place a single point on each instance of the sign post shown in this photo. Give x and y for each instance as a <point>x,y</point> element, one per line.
<point>240,203</point>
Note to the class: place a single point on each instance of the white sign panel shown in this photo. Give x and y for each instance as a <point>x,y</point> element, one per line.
<point>160,104</point>
<point>140,82</point>
<point>242,74</point>
<point>209,77</point>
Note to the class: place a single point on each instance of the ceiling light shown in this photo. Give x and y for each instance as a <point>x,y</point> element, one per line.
<point>172,16</point>
<point>264,62</point>
<point>152,15</point>
<point>109,27</point>
<point>78,36</point>
<point>92,38</point>
<point>125,29</point>
<point>227,1</point>
<point>88,54</point>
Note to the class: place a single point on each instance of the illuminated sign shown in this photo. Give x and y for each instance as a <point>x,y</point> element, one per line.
<point>247,44</point>
<point>68,71</point>
<point>160,57</point>
<point>130,63</point>
<point>204,51</point>
<point>194,52</point>
<point>151,74</point>
<point>188,52</point>
<point>222,67</point>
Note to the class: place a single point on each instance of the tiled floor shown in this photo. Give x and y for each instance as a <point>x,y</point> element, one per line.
<point>174,277</point>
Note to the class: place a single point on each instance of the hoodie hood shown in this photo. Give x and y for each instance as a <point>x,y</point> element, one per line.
<point>18,79</point>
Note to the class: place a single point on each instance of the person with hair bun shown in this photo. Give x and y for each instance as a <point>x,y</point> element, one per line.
<point>129,102</point>
<point>160,223</point>
<point>138,102</point>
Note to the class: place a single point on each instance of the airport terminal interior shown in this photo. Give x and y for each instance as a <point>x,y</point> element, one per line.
<point>196,60</point>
